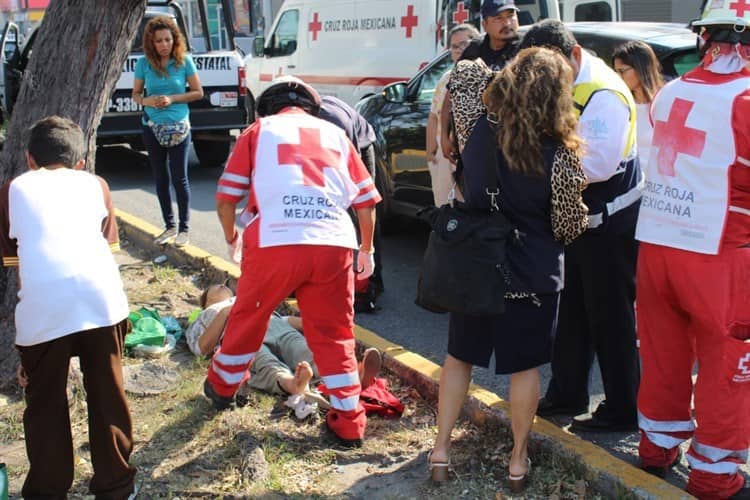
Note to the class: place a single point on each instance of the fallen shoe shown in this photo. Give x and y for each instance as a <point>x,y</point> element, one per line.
<point>370,366</point>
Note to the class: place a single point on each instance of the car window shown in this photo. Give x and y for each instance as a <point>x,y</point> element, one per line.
<point>284,38</point>
<point>430,78</point>
<point>593,11</point>
<point>685,62</point>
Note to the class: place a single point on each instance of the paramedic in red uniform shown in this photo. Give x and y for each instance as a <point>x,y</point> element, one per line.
<point>693,278</point>
<point>301,174</point>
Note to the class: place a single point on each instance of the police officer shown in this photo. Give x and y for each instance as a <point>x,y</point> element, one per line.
<point>362,135</point>
<point>596,306</point>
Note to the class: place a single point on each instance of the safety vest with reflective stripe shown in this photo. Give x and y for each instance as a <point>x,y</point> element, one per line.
<point>621,191</point>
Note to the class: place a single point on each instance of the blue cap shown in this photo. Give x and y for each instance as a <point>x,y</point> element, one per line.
<point>494,7</point>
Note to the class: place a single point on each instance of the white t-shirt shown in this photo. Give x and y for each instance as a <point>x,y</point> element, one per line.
<point>69,279</point>
<point>645,132</point>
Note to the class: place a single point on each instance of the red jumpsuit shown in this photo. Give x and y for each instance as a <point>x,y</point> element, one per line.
<point>693,281</point>
<point>301,175</point>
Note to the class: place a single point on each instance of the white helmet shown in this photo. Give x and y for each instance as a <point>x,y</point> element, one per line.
<point>285,91</point>
<point>729,13</point>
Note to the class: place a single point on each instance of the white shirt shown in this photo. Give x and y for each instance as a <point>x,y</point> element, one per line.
<point>645,132</point>
<point>70,281</point>
<point>604,127</point>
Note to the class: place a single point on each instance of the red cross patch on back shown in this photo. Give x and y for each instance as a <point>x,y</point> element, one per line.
<point>310,155</point>
<point>674,136</point>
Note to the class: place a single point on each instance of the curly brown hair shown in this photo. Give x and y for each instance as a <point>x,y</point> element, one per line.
<point>533,97</point>
<point>179,48</point>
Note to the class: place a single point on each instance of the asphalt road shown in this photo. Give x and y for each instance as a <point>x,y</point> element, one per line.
<point>399,319</point>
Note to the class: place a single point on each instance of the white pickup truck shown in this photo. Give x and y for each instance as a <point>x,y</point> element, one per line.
<point>223,108</point>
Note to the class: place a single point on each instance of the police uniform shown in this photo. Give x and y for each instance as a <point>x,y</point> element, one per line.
<point>596,307</point>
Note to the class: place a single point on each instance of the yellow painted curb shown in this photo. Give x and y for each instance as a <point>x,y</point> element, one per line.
<point>604,468</point>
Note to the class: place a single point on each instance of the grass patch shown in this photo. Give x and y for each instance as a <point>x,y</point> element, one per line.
<point>185,449</point>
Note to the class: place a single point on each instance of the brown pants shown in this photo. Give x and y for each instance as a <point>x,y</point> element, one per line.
<point>46,421</point>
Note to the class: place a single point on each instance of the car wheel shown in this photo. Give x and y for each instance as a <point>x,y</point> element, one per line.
<point>212,152</point>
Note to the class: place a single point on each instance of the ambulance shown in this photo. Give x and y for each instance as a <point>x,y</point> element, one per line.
<point>352,48</point>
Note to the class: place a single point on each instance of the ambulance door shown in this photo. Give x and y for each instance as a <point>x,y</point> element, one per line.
<point>589,10</point>
<point>9,53</point>
<point>281,53</point>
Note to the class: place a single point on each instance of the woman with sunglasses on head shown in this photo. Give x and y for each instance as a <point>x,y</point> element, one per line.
<point>639,68</point>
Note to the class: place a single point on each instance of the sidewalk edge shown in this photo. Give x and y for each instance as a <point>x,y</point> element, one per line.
<point>609,475</point>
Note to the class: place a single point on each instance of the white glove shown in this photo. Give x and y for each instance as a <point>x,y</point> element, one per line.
<point>234,248</point>
<point>365,265</point>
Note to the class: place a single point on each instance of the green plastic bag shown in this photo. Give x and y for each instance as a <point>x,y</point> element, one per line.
<point>3,482</point>
<point>147,331</point>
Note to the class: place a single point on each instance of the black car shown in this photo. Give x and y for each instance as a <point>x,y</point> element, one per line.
<point>399,113</point>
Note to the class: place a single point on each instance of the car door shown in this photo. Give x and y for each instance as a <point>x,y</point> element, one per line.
<point>405,136</point>
<point>9,52</point>
<point>281,53</point>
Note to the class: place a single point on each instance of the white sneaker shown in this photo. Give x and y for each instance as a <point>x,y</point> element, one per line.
<point>166,236</point>
<point>182,239</point>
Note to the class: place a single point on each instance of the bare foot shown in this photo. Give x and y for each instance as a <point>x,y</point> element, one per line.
<point>302,375</point>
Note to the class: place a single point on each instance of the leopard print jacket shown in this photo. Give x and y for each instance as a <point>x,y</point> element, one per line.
<point>569,215</point>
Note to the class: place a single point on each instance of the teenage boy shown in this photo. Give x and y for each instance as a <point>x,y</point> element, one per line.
<point>58,226</point>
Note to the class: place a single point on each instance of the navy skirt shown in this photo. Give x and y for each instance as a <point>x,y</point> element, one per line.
<point>521,338</point>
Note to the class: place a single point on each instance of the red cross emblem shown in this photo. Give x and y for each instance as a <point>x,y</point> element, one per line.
<point>460,15</point>
<point>740,7</point>
<point>314,26</point>
<point>409,21</point>
<point>310,155</point>
<point>673,137</point>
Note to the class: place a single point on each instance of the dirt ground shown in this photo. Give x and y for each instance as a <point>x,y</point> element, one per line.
<point>185,449</point>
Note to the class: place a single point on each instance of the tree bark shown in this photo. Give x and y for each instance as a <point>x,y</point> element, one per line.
<point>77,57</point>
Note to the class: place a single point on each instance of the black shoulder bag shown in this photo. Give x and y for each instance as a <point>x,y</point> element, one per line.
<point>463,270</point>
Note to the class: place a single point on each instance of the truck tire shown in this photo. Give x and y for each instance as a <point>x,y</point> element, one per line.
<point>212,152</point>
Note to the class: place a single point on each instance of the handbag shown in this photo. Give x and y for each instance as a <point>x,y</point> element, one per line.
<point>464,266</point>
<point>169,134</point>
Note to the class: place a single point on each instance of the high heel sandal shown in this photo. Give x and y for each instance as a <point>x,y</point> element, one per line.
<point>438,470</point>
<point>518,483</point>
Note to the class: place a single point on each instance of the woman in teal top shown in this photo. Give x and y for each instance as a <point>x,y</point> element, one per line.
<point>165,72</point>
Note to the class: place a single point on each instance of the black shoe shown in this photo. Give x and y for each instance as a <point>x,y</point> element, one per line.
<point>365,303</point>
<point>549,408</point>
<point>599,421</point>
<point>220,402</point>
<point>346,443</point>
<point>662,471</point>
<point>743,494</point>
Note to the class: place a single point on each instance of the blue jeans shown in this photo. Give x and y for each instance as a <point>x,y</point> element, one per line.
<point>169,163</point>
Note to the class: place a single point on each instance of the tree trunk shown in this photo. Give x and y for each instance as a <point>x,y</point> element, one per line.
<point>77,57</point>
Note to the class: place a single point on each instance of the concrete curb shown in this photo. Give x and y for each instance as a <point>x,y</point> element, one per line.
<point>609,475</point>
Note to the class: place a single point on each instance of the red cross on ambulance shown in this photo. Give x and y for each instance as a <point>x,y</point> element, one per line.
<point>460,15</point>
<point>315,26</point>
<point>310,156</point>
<point>409,21</point>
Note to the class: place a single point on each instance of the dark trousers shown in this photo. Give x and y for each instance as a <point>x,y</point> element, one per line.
<point>368,158</point>
<point>169,163</point>
<point>597,317</point>
<point>46,421</point>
